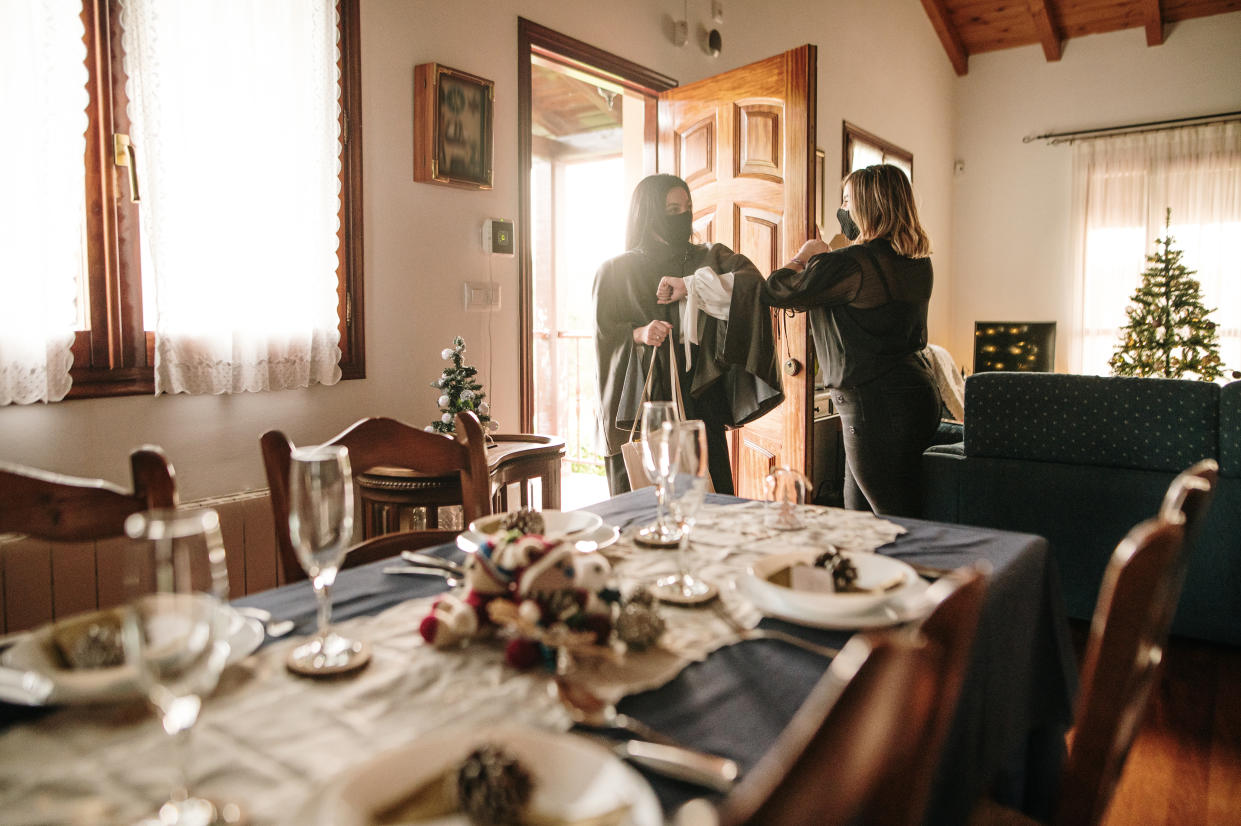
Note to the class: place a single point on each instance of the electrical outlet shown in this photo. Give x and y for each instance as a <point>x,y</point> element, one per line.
<point>481,296</point>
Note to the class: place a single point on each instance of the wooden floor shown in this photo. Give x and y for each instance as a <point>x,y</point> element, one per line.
<point>1185,768</point>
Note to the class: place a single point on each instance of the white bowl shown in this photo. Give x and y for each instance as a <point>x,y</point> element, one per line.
<point>874,571</point>
<point>556,524</point>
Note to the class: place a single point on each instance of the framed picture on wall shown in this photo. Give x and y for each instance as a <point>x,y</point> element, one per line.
<point>453,113</point>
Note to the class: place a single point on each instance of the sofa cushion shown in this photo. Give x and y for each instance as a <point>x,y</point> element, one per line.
<point>1230,429</point>
<point>1148,424</point>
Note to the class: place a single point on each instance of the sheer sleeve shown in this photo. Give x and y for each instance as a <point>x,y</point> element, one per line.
<point>829,278</point>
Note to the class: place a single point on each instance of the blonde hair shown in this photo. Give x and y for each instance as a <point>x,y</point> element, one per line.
<point>882,205</point>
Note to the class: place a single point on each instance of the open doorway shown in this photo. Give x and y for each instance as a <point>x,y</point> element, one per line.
<point>588,124</point>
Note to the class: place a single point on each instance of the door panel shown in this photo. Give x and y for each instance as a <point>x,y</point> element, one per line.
<point>744,143</point>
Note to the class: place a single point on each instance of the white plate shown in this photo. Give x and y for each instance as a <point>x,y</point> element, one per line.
<point>874,571</point>
<point>80,686</point>
<point>574,778</point>
<point>556,525</point>
<point>905,605</point>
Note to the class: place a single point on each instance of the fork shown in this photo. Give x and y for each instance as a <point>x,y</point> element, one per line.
<point>721,611</point>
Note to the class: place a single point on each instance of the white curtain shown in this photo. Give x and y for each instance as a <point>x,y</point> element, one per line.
<point>235,122</point>
<point>43,142</point>
<point>1122,187</point>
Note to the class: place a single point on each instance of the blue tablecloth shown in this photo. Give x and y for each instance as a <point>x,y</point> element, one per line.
<point>1016,704</point>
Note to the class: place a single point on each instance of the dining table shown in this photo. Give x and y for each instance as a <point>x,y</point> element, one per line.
<point>276,741</point>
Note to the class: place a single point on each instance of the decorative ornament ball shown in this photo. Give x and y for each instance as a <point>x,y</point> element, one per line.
<point>639,626</point>
<point>437,383</point>
<point>467,394</point>
<point>446,353</point>
<point>493,425</point>
<point>443,400</point>
<point>530,611</point>
<point>446,418</point>
<point>429,429</point>
<point>484,408</point>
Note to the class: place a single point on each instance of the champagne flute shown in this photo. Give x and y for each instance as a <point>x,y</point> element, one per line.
<point>658,459</point>
<point>175,635</point>
<point>320,527</point>
<point>687,489</point>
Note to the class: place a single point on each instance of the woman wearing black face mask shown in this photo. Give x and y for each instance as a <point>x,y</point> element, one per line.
<point>725,351</point>
<point>867,306</point>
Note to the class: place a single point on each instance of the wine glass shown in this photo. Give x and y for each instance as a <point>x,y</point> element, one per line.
<point>786,488</point>
<point>658,459</point>
<point>320,527</point>
<point>687,487</point>
<point>175,634</point>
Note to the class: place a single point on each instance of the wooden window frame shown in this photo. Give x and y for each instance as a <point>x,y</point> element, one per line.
<point>851,134</point>
<point>116,356</point>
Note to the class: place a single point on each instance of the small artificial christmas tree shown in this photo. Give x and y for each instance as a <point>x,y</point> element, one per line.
<point>1168,334</point>
<point>460,392</point>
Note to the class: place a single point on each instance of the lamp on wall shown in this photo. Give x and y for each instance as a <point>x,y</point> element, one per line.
<point>680,28</point>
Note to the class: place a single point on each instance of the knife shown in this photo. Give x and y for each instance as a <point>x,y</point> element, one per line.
<point>677,762</point>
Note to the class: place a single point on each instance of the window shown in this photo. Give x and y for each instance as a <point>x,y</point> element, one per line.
<point>1123,186</point>
<point>864,149</point>
<point>180,205</point>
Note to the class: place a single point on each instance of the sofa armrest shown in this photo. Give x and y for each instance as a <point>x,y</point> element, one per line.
<point>943,467</point>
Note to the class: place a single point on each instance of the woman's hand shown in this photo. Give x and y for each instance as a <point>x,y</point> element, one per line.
<point>810,249</point>
<point>670,290</point>
<point>653,333</point>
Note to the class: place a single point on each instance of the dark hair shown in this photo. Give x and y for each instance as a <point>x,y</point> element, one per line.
<point>649,202</point>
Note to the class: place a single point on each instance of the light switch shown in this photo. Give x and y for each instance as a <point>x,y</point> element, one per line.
<point>481,296</point>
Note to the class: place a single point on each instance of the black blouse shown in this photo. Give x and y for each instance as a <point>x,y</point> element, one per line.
<point>867,307</point>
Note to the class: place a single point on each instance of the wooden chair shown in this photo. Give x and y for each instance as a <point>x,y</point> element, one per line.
<point>56,508</point>
<point>951,624</point>
<point>381,442</point>
<point>872,707</point>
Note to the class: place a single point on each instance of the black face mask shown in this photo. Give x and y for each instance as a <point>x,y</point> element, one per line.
<point>847,226</point>
<point>675,229</point>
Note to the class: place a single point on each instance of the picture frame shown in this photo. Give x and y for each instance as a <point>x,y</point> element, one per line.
<point>453,113</point>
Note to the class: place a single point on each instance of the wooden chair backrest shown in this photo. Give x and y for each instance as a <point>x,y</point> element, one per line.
<point>386,442</point>
<point>1138,597</point>
<point>1190,496</point>
<point>952,624</point>
<point>872,707</point>
<point>60,508</point>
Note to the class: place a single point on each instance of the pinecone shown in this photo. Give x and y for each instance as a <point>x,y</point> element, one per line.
<point>525,520</point>
<point>844,572</point>
<point>641,596</point>
<point>639,626</point>
<point>493,787</point>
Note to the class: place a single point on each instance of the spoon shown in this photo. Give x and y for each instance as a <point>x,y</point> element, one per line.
<point>657,752</point>
<point>588,709</point>
<point>274,628</point>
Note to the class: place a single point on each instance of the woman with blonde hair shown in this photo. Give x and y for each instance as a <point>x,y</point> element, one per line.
<point>867,305</point>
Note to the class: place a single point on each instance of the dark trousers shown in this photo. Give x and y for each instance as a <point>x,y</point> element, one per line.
<point>887,423</point>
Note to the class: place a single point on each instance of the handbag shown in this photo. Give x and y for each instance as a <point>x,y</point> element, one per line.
<point>631,451</point>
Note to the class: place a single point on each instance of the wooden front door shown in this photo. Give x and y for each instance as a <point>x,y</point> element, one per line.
<point>744,141</point>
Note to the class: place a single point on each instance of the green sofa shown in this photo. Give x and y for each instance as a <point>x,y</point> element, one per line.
<point>1082,459</point>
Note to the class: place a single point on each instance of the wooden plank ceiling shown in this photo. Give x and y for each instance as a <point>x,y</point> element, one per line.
<point>968,27</point>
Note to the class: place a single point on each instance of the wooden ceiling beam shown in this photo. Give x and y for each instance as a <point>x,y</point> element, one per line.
<point>1048,31</point>
<point>1152,17</point>
<point>948,35</point>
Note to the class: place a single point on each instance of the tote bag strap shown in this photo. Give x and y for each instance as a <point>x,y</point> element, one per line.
<point>675,373</point>
<point>646,393</point>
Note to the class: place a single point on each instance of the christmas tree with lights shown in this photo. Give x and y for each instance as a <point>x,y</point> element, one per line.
<point>459,391</point>
<point>1168,335</point>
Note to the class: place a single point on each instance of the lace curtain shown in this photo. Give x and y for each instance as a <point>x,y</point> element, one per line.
<point>43,85</point>
<point>235,121</point>
<point>1122,186</point>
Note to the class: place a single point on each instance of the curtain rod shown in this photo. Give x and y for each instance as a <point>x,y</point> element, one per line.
<point>1058,137</point>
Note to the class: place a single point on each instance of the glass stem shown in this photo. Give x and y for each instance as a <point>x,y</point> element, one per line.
<point>180,760</point>
<point>683,561</point>
<point>323,594</point>
<point>661,505</point>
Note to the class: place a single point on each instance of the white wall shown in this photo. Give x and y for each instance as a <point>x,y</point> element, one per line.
<point>1011,205</point>
<point>422,241</point>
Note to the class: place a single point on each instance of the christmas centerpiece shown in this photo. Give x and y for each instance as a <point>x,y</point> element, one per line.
<point>1168,334</point>
<point>459,391</point>
<point>545,596</point>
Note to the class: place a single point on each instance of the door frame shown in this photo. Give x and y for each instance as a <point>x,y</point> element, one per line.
<point>533,39</point>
